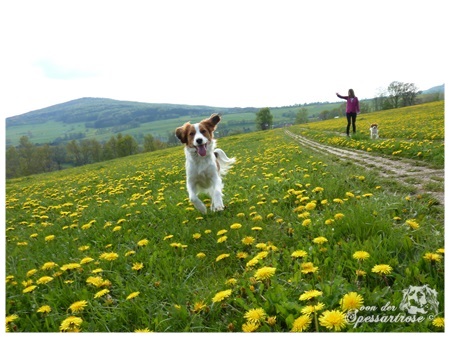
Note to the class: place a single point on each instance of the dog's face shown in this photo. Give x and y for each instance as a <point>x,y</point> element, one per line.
<point>199,135</point>
<point>374,126</point>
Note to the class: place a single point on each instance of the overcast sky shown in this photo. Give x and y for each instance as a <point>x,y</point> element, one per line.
<point>218,53</point>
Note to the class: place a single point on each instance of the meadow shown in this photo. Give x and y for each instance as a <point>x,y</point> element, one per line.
<point>117,247</point>
<point>415,132</point>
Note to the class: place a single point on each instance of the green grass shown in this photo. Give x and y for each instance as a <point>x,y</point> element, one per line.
<point>111,207</point>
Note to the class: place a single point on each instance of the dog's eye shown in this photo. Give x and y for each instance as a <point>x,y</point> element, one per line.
<point>192,133</point>
<point>203,131</point>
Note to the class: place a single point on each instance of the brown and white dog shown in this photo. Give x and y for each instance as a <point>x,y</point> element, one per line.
<point>205,164</point>
<point>374,131</point>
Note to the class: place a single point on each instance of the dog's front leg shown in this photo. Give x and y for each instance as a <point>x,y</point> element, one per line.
<point>216,195</point>
<point>198,204</point>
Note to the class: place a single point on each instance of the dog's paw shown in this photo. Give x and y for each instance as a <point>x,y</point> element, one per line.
<point>218,208</point>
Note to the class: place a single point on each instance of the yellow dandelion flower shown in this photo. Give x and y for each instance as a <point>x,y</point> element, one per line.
<point>271,320</point>
<point>86,260</point>
<point>78,306</point>
<point>29,289</point>
<point>133,295</point>
<point>83,248</point>
<point>71,324</point>
<point>361,255</point>
<point>31,272</point>
<point>222,256</point>
<point>199,307</point>
<point>220,296</point>
<point>333,320</point>
<point>129,253</point>
<point>137,266</point>
<point>240,215</point>
<point>248,240</point>
<point>256,228</point>
<point>310,206</point>
<point>382,269</point>
<point>320,240</point>
<point>264,273</point>
<point>339,216</point>
<point>235,226</point>
<point>70,266</point>
<point>329,221</point>
<point>412,223</point>
<point>101,293</point>
<point>432,257</point>
<point>145,330</point>
<point>251,263</point>
<point>310,294</point>
<point>306,222</point>
<point>338,200</point>
<point>301,323</point>
<point>208,231</point>
<point>49,265</point>
<point>249,327</point>
<point>242,255</point>
<point>196,236</point>
<point>440,251</point>
<point>109,256</point>
<point>44,280</point>
<point>255,316</point>
<point>222,239</point>
<point>221,232</point>
<point>317,189</point>
<point>299,254</point>
<point>11,319</point>
<point>438,322</point>
<point>201,255</point>
<point>231,281</point>
<point>44,309</point>
<point>167,237</point>
<point>142,242</point>
<point>116,228</point>
<point>96,281</point>
<point>349,194</point>
<point>49,238</point>
<point>351,301</point>
<point>360,273</point>
<point>308,267</point>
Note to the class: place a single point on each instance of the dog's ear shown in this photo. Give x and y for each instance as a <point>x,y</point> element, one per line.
<point>215,119</point>
<point>180,132</point>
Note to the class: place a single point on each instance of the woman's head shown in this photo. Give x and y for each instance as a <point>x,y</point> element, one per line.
<point>351,93</point>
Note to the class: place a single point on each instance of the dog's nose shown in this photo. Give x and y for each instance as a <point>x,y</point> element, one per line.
<point>199,141</point>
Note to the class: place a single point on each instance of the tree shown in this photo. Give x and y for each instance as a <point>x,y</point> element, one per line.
<point>264,119</point>
<point>301,116</point>
<point>402,94</point>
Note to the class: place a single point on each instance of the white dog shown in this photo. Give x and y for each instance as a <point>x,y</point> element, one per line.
<point>374,131</point>
<point>205,165</point>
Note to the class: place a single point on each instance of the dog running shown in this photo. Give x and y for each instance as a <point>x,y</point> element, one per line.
<point>205,164</point>
<point>374,131</point>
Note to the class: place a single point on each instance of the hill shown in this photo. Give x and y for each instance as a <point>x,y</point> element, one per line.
<point>101,118</point>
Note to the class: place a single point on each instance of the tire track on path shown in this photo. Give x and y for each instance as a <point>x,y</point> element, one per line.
<point>407,172</point>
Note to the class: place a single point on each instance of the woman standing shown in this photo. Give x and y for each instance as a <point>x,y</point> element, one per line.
<point>351,110</point>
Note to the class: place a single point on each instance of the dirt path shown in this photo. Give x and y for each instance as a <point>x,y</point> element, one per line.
<point>407,172</point>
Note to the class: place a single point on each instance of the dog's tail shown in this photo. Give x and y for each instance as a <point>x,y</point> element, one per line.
<point>224,161</point>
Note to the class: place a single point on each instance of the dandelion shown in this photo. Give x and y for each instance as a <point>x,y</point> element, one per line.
<point>240,215</point>
<point>264,273</point>
<point>11,319</point>
<point>361,255</point>
<point>338,200</point>
<point>242,255</point>
<point>412,223</point>
<point>44,280</point>
<point>333,320</point>
<point>49,238</point>
<point>167,237</point>
<point>329,221</point>
<point>196,236</point>
<point>320,240</point>
<point>137,266</point>
<point>306,222</point>
<point>301,323</point>
<point>382,269</point>
<point>83,248</point>
<point>44,309</point>
<point>222,239</point>
<point>310,294</point>
<point>438,322</point>
<point>255,316</point>
<point>351,301</point>
<point>78,306</point>
<point>310,206</point>
<point>201,255</point>
<point>222,256</point>
<point>129,253</point>
<point>249,327</point>
<point>146,330</point>
<point>86,260</point>
<point>248,240</point>
<point>310,309</point>
<point>440,251</point>
<point>101,293</point>
<point>109,256</point>
<point>116,228</point>
<point>220,296</point>
<point>432,257</point>
<point>70,266</point>
<point>29,289</point>
<point>71,324</point>
<point>231,281</point>
<point>142,242</point>
<point>133,295</point>
<point>299,254</point>
<point>96,281</point>
<point>256,228</point>
<point>235,226</point>
<point>308,267</point>
<point>199,307</point>
<point>339,216</point>
<point>221,232</point>
<point>360,273</point>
